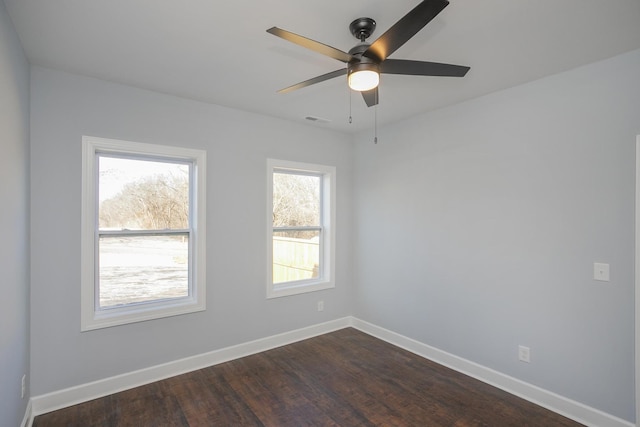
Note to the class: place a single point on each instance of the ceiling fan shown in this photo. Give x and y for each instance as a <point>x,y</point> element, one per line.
<point>366,61</point>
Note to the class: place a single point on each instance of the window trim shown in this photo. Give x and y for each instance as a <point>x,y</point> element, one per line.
<point>90,316</point>
<point>326,279</point>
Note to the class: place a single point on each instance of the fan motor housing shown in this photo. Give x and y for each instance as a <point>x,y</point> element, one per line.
<point>357,52</point>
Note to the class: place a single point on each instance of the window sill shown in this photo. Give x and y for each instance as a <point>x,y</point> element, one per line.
<point>284,290</point>
<point>140,313</point>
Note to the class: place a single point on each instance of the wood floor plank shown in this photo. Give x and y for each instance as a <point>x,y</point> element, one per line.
<point>209,400</point>
<point>344,378</point>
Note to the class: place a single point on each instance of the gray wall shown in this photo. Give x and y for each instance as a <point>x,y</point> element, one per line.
<point>14,222</point>
<point>65,107</point>
<point>478,225</point>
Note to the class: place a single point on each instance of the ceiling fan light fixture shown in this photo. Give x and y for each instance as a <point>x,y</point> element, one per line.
<point>364,80</point>
<point>363,77</point>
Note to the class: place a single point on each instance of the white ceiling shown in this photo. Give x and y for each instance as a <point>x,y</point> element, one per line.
<point>219,52</point>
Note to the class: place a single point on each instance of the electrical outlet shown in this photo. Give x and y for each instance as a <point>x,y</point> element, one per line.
<point>524,354</point>
<point>24,385</point>
<point>320,305</point>
<point>601,271</point>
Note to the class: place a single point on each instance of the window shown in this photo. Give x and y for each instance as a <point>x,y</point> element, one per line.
<point>143,232</point>
<point>301,227</point>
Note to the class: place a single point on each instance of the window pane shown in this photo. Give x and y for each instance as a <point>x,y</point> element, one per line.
<point>296,255</point>
<point>142,194</point>
<point>296,200</point>
<point>136,269</point>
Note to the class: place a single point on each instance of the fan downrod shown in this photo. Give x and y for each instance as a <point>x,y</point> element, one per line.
<point>362,28</point>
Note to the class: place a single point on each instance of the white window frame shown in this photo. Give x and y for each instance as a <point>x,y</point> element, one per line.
<point>326,279</point>
<point>93,318</point>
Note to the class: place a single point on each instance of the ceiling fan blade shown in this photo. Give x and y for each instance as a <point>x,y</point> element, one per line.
<point>371,97</point>
<point>311,44</point>
<point>404,29</point>
<point>422,68</point>
<point>331,75</point>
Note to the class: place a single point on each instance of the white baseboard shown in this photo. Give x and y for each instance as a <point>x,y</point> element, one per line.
<point>93,390</point>
<point>554,402</point>
<point>27,419</point>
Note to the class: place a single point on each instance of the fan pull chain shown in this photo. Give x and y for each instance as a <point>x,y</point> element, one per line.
<point>350,118</point>
<point>375,124</point>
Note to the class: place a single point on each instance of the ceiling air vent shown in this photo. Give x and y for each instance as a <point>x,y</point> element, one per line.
<point>317,119</point>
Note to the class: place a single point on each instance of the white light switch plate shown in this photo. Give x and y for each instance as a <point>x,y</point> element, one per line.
<point>601,271</point>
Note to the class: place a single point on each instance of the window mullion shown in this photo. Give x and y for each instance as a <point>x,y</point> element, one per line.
<point>134,233</point>
<point>306,228</point>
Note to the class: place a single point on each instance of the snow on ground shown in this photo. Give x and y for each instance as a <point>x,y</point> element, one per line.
<point>140,269</point>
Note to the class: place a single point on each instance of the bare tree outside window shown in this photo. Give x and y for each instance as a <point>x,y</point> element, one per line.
<point>153,202</point>
<point>296,200</point>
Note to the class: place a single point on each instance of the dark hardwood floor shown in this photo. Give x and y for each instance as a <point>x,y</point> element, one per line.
<point>344,378</point>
